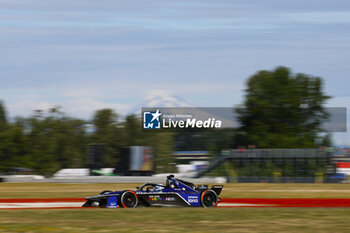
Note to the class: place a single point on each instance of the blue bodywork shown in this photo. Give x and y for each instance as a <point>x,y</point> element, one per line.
<point>175,193</point>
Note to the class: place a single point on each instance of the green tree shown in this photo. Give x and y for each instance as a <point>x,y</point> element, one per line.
<point>104,120</point>
<point>162,143</point>
<point>132,131</point>
<point>13,149</point>
<point>55,141</point>
<point>13,144</point>
<point>3,118</point>
<point>107,132</point>
<point>281,110</point>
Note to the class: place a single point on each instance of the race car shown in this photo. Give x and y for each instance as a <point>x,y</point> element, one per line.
<point>176,193</point>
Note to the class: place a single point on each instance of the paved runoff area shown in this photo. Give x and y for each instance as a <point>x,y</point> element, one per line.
<point>71,203</point>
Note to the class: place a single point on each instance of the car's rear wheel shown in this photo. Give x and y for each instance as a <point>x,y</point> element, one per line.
<point>128,199</point>
<point>209,199</point>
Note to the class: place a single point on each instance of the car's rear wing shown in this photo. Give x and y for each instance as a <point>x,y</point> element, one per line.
<point>217,189</point>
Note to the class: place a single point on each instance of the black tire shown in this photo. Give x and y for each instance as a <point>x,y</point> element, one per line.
<point>106,192</point>
<point>209,199</point>
<point>87,204</point>
<point>128,199</point>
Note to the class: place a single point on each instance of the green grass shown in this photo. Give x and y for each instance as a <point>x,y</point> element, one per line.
<point>240,190</point>
<point>177,220</point>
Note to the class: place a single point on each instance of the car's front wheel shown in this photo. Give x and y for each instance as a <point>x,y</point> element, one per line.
<point>209,199</point>
<point>128,199</point>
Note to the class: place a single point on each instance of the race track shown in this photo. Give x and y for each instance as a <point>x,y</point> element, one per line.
<point>72,203</point>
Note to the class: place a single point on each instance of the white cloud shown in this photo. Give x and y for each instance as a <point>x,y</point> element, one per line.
<point>26,107</point>
<point>76,103</point>
<point>83,107</point>
<point>114,54</point>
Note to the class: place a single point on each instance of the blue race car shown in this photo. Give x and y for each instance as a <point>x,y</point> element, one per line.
<point>176,193</point>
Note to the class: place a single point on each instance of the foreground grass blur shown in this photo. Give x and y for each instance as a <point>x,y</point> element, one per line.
<point>177,220</point>
<point>239,190</point>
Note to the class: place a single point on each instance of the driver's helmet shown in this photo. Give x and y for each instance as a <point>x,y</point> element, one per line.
<point>159,187</point>
<point>171,184</point>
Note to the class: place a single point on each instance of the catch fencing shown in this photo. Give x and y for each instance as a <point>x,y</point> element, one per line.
<point>274,165</point>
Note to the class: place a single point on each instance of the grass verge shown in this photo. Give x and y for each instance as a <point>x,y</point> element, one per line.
<point>177,220</point>
<point>232,190</point>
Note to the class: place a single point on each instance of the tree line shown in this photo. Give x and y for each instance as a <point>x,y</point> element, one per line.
<point>281,110</point>
<point>50,140</point>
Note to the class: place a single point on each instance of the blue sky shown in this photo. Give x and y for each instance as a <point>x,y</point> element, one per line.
<point>85,55</point>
